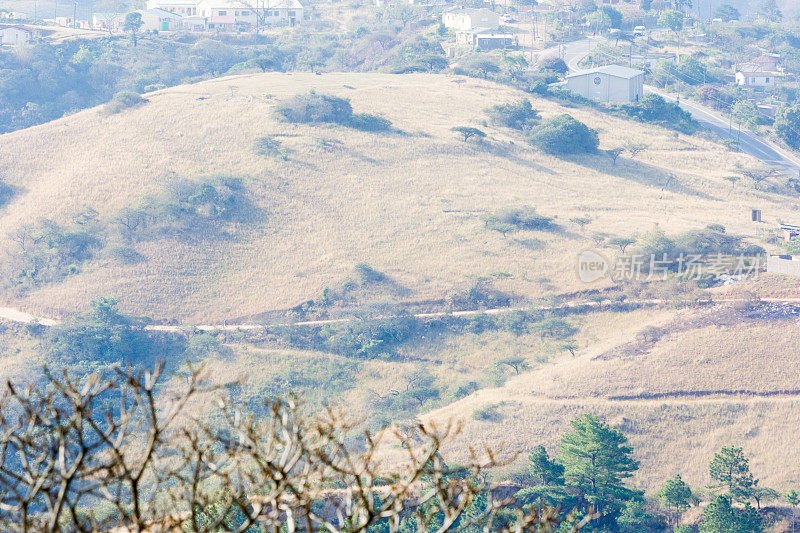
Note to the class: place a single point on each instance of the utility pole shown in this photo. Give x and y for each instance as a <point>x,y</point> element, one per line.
<point>75,14</point>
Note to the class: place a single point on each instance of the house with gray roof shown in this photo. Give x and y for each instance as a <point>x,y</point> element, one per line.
<point>610,83</point>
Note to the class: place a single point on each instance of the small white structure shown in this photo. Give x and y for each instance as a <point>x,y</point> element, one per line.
<point>230,14</point>
<point>756,80</point>
<point>12,35</point>
<point>466,19</point>
<point>784,264</point>
<point>161,20</point>
<point>186,8</point>
<point>486,39</point>
<point>611,83</point>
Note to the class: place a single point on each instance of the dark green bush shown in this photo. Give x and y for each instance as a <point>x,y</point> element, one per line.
<point>367,122</point>
<point>655,110</point>
<point>123,100</point>
<point>47,252</point>
<point>269,146</point>
<point>199,207</point>
<point>519,218</point>
<point>565,135</point>
<point>313,108</point>
<point>6,193</point>
<point>519,115</point>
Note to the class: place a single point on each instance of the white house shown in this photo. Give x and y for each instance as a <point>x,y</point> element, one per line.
<point>186,8</point>
<point>466,19</point>
<point>161,20</point>
<point>611,83</point>
<point>486,39</point>
<point>235,12</point>
<point>756,80</point>
<point>231,14</point>
<point>15,35</point>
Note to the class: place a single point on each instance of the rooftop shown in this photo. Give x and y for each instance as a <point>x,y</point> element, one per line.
<point>612,70</point>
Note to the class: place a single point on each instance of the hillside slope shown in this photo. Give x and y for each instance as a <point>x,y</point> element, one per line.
<point>409,204</point>
<point>681,385</point>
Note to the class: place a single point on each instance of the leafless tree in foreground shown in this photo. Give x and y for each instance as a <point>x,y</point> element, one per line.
<point>125,454</point>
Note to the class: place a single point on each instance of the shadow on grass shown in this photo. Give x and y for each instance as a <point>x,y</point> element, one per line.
<point>638,172</point>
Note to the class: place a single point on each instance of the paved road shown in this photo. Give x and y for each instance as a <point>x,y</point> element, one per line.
<point>750,143</point>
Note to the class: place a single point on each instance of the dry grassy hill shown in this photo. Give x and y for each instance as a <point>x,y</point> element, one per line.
<point>409,204</point>
<point>680,384</point>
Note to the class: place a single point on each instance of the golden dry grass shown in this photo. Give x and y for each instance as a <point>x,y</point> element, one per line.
<point>408,205</point>
<point>678,432</point>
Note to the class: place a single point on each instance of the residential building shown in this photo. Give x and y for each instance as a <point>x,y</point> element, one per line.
<point>611,83</point>
<point>161,20</point>
<point>466,19</point>
<point>756,80</point>
<point>767,63</point>
<point>486,39</point>
<point>228,15</point>
<point>12,35</point>
<point>186,8</point>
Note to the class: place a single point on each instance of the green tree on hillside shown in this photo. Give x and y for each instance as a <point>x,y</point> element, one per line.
<point>722,517</point>
<point>676,496</point>
<point>730,472</point>
<point>468,132</point>
<point>792,498</point>
<point>727,13</point>
<point>787,125</point>
<point>770,11</point>
<point>543,469</point>
<point>565,135</point>
<point>597,460</point>
<point>133,23</point>
<point>672,20</point>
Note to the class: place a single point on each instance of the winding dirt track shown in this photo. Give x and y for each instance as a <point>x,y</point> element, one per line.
<point>11,314</point>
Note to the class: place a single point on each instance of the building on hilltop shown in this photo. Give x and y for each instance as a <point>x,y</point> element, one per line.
<point>466,19</point>
<point>229,15</point>
<point>161,20</point>
<point>486,39</point>
<point>11,35</point>
<point>611,83</point>
<point>756,80</point>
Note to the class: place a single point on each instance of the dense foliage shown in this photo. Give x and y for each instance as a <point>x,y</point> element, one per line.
<point>565,135</point>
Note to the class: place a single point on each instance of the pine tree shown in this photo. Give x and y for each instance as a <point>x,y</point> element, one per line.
<point>730,471</point>
<point>721,517</point>
<point>676,495</point>
<point>792,498</point>
<point>597,460</point>
<point>543,469</point>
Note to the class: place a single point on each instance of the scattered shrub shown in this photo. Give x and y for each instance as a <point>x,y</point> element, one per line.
<point>468,132</point>
<point>367,122</point>
<point>313,108</point>
<point>655,110</point>
<point>488,413</point>
<point>518,115</point>
<point>187,206</point>
<point>565,135</point>
<point>269,146</point>
<point>47,252</point>
<point>478,295</point>
<point>554,64</point>
<point>6,192</point>
<point>517,219</point>
<point>123,100</point>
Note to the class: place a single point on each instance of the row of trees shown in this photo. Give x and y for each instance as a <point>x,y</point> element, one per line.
<point>596,460</point>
